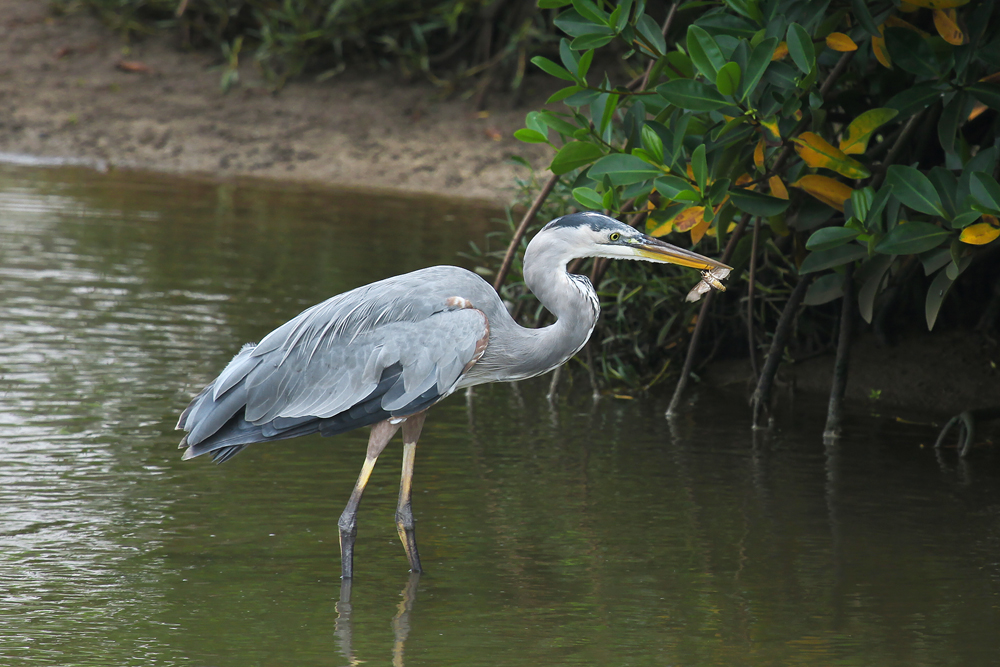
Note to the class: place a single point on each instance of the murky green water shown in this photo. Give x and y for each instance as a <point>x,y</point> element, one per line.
<point>566,535</point>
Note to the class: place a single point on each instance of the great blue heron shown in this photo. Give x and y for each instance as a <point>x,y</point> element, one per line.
<point>381,354</point>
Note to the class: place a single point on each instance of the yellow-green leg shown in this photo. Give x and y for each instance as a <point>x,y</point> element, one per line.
<point>405,524</point>
<point>381,435</point>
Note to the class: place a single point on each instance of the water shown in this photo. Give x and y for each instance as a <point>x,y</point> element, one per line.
<point>570,534</point>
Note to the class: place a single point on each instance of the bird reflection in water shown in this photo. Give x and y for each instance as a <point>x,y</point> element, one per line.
<point>400,622</point>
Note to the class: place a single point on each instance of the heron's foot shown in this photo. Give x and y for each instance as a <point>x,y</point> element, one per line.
<point>406,527</point>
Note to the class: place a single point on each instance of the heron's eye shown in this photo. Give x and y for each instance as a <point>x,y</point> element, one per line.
<point>614,236</point>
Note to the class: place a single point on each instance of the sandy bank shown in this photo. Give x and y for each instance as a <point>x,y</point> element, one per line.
<point>63,93</point>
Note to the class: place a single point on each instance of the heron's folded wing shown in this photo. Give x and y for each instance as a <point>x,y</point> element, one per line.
<point>322,369</point>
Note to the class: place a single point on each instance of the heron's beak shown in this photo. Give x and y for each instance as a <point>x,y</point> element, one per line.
<point>658,251</point>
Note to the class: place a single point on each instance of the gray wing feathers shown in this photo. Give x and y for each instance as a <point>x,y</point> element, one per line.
<point>333,356</point>
<point>324,377</point>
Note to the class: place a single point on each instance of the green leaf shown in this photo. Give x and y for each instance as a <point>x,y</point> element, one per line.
<point>552,4</point>
<point>935,260</point>
<point>912,238</point>
<point>705,52</point>
<point>830,237</point>
<point>827,259</point>
<point>914,190</point>
<point>947,188</point>
<point>531,136</point>
<point>760,58</point>
<point>570,58</point>
<point>557,123</point>
<point>935,296</point>
<point>824,290</point>
<point>562,94</point>
<point>987,93</point>
<point>756,203</point>
<point>609,110</point>
<point>688,195</point>
<point>986,191</point>
<point>623,169</point>
<point>582,98</point>
<point>870,277</point>
<point>584,66</point>
<point>728,79</point>
<point>861,201</point>
<point>781,75</point>
<point>574,24</point>
<point>670,186</point>
<point>911,52</point>
<point>574,155</point>
<point>864,17</point>
<point>950,119</point>
<point>914,98</point>
<point>590,11</point>
<point>552,69</point>
<point>650,30</point>
<point>699,167</point>
<point>532,121</point>
<point>693,95</point>
<point>800,48</point>
<point>588,197</point>
<point>747,8</point>
<point>652,142</point>
<point>626,9</point>
<point>717,191</point>
<point>728,127</point>
<point>965,219</point>
<point>585,42</point>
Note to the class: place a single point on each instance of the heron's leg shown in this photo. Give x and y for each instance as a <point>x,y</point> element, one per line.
<point>404,511</point>
<point>381,434</point>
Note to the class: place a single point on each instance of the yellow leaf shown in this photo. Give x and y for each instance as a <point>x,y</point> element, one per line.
<point>758,155</point>
<point>731,227</point>
<point>977,110</point>
<point>838,41</point>
<point>778,188</point>
<point>780,52</point>
<point>815,151</point>
<point>946,22</point>
<point>699,230</point>
<point>662,229</point>
<point>878,48</point>
<point>991,78</point>
<point>981,233</point>
<point>650,206</point>
<point>830,192</point>
<point>688,218</point>
<point>772,134</point>
<point>861,128</point>
<point>907,7</point>
<point>712,231</point>
<point>743,180</point>
<point>938,4</point>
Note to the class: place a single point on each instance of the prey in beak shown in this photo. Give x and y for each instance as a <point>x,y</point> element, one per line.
<point>712,272</point>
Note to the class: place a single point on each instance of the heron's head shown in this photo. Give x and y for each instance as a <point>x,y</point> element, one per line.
<point>590,234</point>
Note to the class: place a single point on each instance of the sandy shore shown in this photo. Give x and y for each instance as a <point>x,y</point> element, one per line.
<point>64,93</point>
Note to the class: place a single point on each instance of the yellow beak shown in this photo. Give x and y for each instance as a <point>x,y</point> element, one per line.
<point>658,251</point>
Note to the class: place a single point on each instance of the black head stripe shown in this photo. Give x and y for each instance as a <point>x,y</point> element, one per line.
<point>596,221</point>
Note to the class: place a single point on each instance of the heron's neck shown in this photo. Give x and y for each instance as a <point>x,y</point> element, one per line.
<point>570,298</point>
